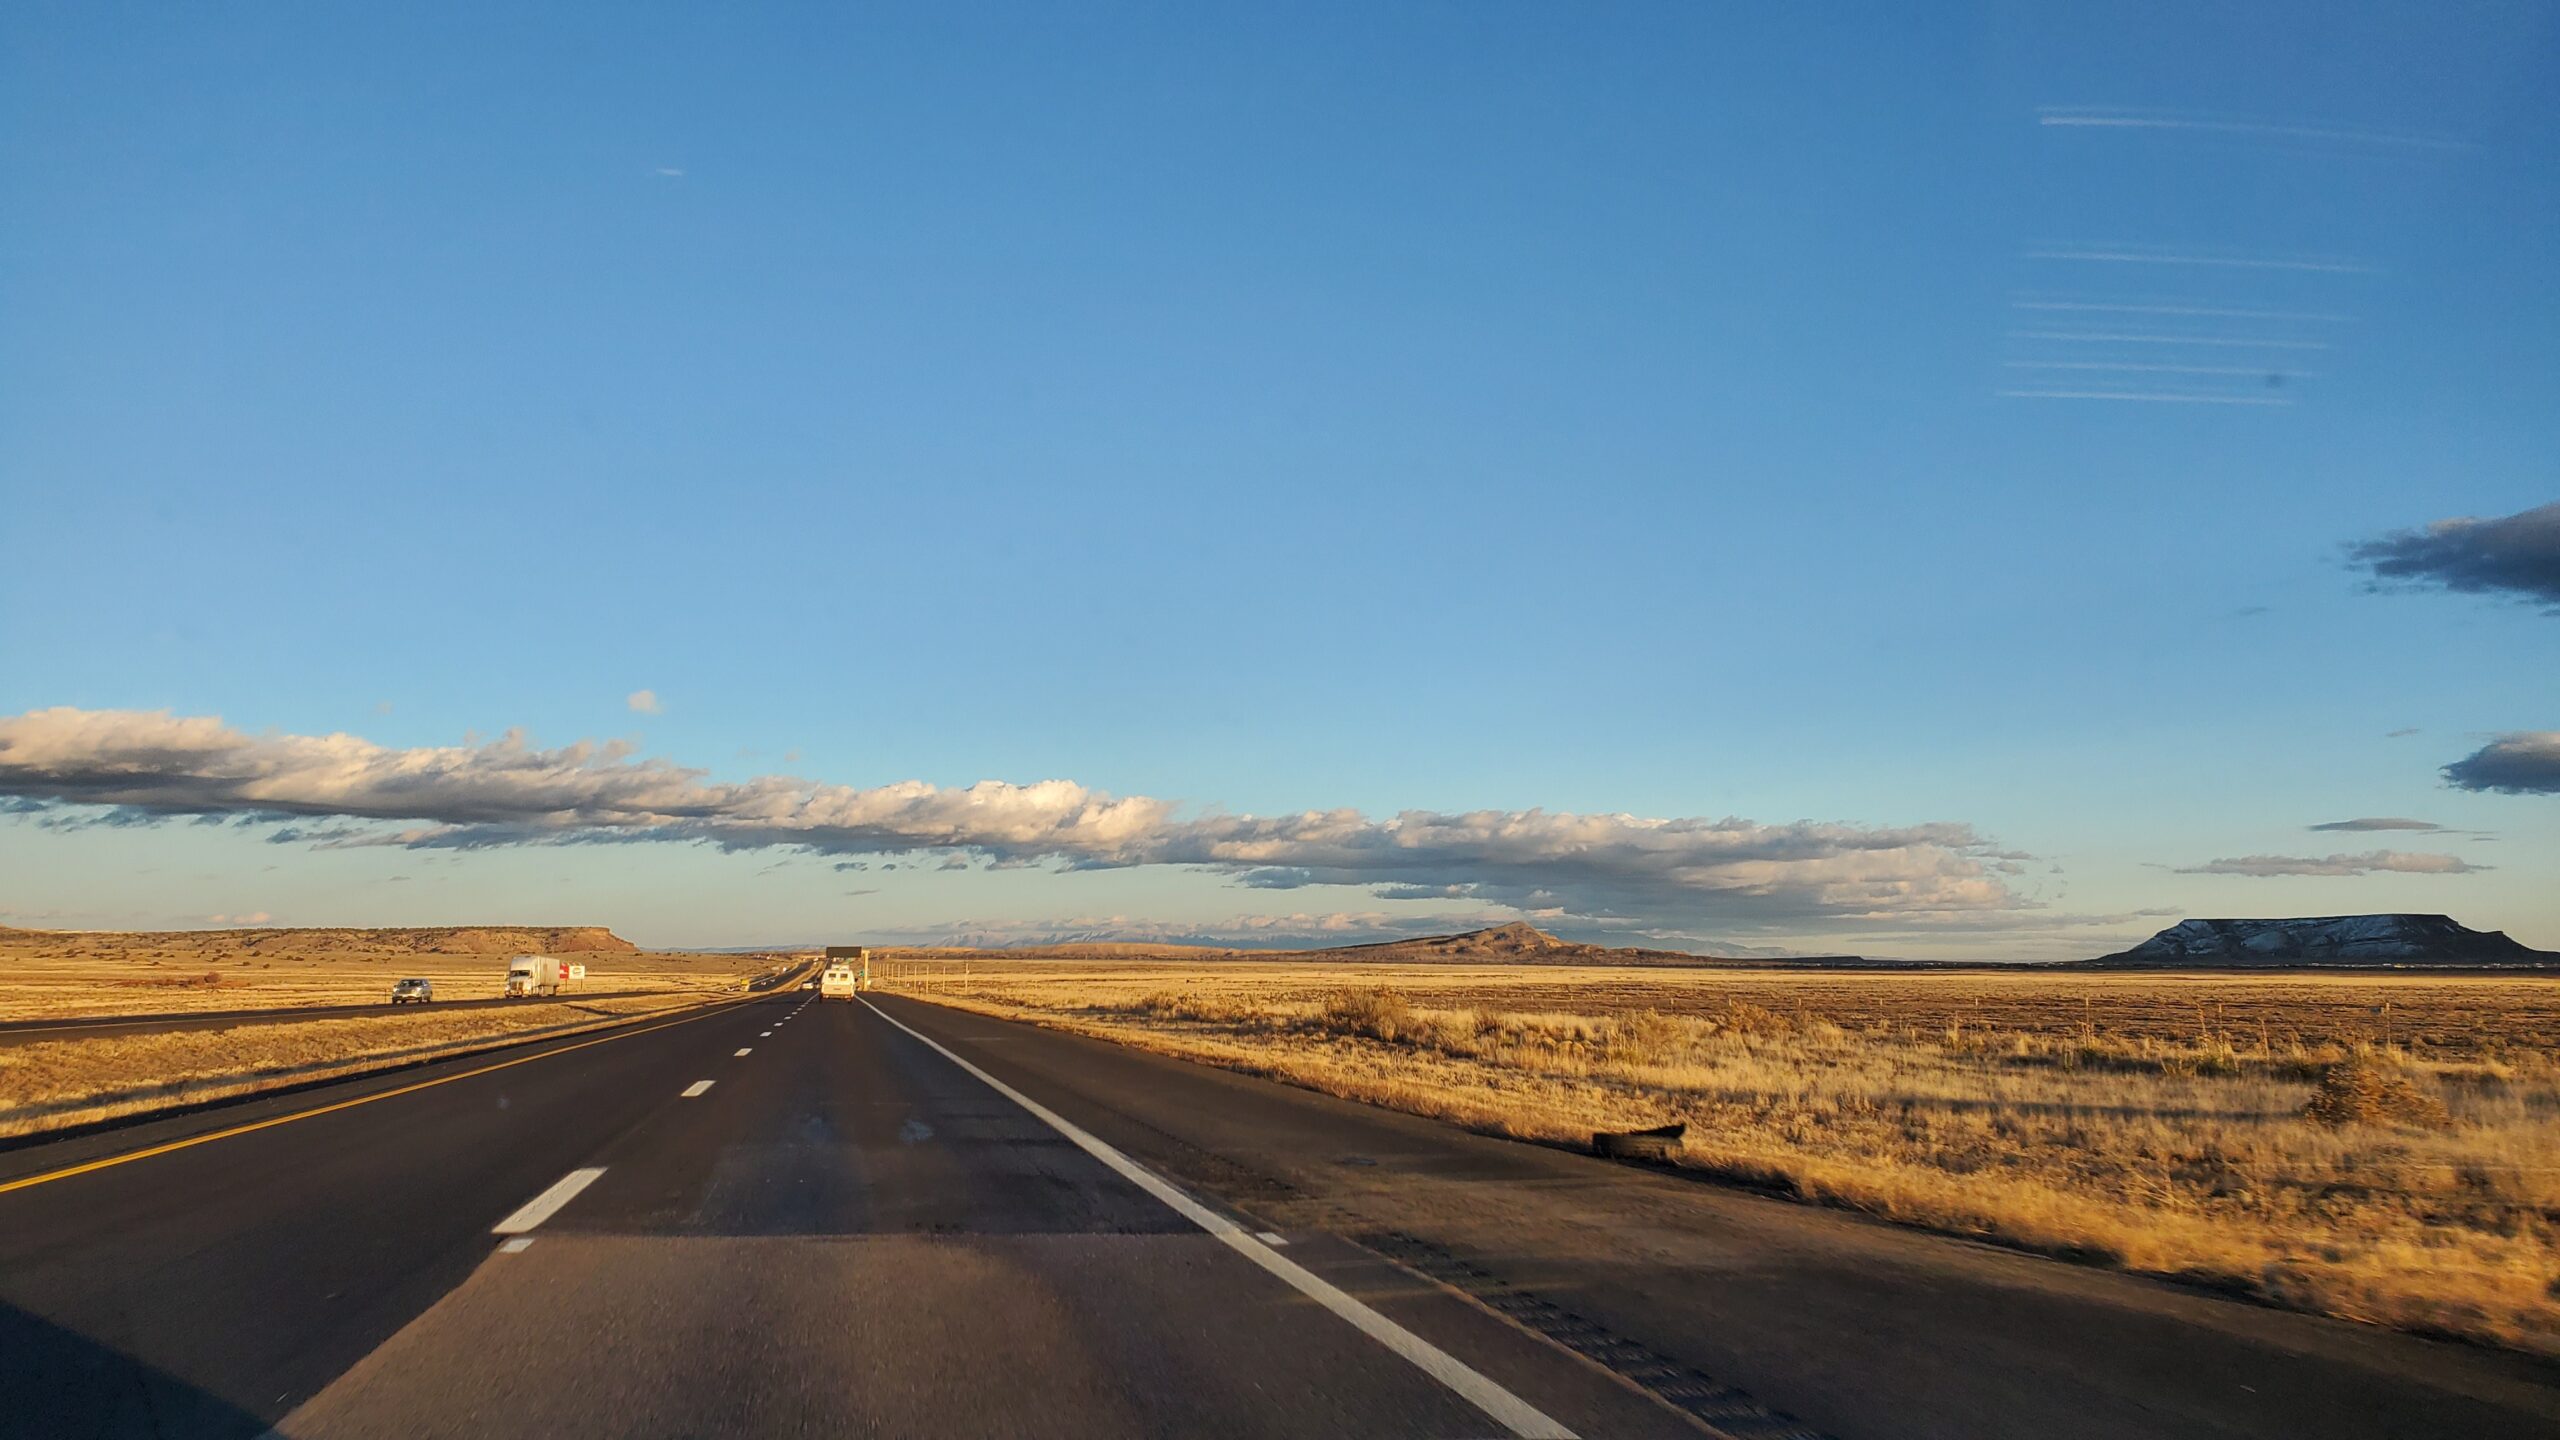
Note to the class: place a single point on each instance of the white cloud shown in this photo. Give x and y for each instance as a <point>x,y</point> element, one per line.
<point>644,701</point>
<point>146,766</point>
<point>242,921</point>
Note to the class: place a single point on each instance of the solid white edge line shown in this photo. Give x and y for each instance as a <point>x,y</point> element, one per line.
<point>696,1089</point>
<point>547,1204</point>
<point>1515,1414</point>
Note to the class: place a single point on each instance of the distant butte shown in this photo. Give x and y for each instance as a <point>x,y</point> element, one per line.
<point>2344,941</point>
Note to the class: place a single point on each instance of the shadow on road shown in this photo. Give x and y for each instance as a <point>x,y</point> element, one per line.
<point>60,1384</point>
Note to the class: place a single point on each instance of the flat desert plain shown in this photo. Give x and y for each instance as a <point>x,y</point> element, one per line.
<point>2377,1146</point>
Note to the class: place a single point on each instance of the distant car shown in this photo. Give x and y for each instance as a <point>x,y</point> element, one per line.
<point>808,984</point>
<point>412,991</point>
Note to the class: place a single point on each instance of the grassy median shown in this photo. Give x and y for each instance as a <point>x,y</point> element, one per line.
<point>56,1084</point>
<point>2384,1149</point>
<point>52,1083</point>
<point>58,974</point>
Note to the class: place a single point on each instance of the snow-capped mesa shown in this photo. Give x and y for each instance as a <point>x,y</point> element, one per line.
<point>2346,940</point>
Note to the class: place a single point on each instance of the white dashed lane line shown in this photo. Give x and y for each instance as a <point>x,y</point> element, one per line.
<point>517,1246</point>
<point>746,1049</point>
<point>547,1204</point>
<point>696,1088</point>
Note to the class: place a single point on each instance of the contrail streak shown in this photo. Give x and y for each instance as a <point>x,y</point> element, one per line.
<point>2214,311</point>
<point>2106,120</point>
<point>2141,257</point>
<point>2151,369</point>
<point>2163,396</point>
<point>2135,338</point>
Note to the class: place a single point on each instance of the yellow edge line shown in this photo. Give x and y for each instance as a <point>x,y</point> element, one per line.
<point>146,1153</point>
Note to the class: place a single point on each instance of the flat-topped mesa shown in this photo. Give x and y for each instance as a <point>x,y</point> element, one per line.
<point>2341,940</point>
<point>448,939</point>
<point>348,940</point>
<point>552,939</point>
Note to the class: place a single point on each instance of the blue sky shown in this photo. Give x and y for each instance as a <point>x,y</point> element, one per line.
<point>1470,409</point>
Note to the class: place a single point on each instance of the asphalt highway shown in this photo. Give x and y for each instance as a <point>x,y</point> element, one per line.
<point>783,1217</point>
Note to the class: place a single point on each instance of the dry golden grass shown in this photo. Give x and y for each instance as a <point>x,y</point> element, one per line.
<point>53,1084</point>
<point>2156,1123</point>
<point>67,973</point>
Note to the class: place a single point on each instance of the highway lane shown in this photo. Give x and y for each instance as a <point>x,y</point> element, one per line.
<point>204,1290</point>
<point>792,1218</point>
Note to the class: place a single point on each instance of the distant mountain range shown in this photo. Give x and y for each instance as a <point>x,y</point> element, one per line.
<point>1523,943</point>
<point>2323,941</point>
<point>1518,943</point>
<point>2330,941</point>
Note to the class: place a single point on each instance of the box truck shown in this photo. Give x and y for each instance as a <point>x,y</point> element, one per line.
<point>534,975</point>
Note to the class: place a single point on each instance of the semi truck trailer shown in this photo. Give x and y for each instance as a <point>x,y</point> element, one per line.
<point>535,975</point>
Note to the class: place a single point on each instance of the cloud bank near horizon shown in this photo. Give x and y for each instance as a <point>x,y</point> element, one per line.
<point>2395,862</point>
<point>1295,931</point>
<point>337,791</point>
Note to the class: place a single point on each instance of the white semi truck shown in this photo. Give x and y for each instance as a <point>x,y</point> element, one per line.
<point>536,975</point>
<point>848,972</point>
